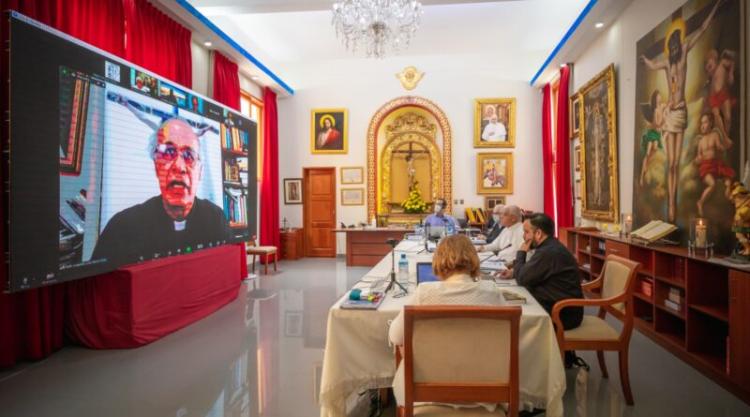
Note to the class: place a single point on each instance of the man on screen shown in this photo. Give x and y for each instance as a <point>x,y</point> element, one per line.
<point>176,219</point>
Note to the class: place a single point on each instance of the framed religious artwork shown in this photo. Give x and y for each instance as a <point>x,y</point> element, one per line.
<point>599,171</point>
<point>495,173</point>
<point>575,115</point>
<point>491,201</point>
<point>690,124</point>
<point>352,175</point>
<point>352,196</point>
<point>328,131</point>
<point>494,122</point>
<point>292,190</point>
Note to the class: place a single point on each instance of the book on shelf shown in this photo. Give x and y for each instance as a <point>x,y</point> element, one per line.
<point>647,288</point>
<point>234,139</point>
<point>653,231</point>
<point>675,295</point>
<point>235,206</point>
<point>672,305</point>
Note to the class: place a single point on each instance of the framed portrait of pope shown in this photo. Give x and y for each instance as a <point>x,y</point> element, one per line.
<point>328,131</point>
<point>495,123</point>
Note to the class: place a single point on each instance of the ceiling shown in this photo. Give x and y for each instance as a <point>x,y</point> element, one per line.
<point>295,38</point>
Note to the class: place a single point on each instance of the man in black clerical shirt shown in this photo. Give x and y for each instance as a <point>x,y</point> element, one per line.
<point>176,219</point>
<point>551,275</point>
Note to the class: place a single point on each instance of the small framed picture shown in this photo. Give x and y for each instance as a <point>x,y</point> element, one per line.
<point>352,175</point>
<point>494,122</point>
<point>292,190</point>
<point>328,131</point>
<point>578,190</point>
<point>293,323</point>
<point>577,157</point>
<point>495,173</point>
<point>575,115</point>
<point>352,196</point>
<point>491,201</point>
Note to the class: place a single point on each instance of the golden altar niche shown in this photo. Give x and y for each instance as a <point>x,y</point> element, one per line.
<point>408,145</point>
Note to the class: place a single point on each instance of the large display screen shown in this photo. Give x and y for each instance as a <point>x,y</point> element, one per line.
<point>109,164</point>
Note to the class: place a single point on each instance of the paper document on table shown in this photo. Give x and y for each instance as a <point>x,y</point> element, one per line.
<point>493,265</point>
<point>654,230</point>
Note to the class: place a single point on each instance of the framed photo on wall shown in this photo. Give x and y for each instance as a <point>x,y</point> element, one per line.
<point>491,201</point>
<point>577,157</point>
<point>575,115</point>
<point>328,131</point>
<point>599,179</point>
<point>494,122</point>
<point>292,190</point>
<point>352,175</point>
<point>495,173</point>
<point>352,196</point>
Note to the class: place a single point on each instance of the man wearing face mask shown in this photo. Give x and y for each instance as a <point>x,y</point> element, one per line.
<point>440,218</point>
<point>551,275</point>
<point>512,237</point>
<point>494,226</point>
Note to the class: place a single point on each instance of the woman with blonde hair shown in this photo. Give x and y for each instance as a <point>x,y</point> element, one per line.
<point>456,265</point>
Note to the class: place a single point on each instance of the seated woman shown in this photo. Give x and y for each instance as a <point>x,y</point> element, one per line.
<point>456,264</point>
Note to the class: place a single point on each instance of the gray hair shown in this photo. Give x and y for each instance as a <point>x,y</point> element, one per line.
<point>514,211</point>
<point>498,209</point>
<point>153,140</point>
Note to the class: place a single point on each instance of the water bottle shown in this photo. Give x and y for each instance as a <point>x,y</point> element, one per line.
<point>450,229</point>
<point>403,270</point>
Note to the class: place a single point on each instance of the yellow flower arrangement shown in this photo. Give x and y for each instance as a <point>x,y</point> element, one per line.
<point>415,203</point>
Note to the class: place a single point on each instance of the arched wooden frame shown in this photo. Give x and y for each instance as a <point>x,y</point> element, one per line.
<point>372,148</point>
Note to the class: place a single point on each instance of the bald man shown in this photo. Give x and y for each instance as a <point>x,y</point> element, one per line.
<point>511,238</point>
<point>173,220</point>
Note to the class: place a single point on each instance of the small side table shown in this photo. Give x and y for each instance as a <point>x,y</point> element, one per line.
<point>292,244</point>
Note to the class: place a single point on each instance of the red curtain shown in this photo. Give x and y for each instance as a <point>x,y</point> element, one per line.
<point>31,322</point>
<point>547,155</point>
<point>156,42</point>
<point>562,172</point>
<point>226,81</point>
<point>269,186</point>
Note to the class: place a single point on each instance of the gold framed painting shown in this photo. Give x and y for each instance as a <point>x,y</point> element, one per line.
<point>352,196</point>
<point>599,170</point>
<point>494,122</point>
<point>495,173</point>
<point>575,115</point>
<point>352,175</point>
<point>491,201</point>
<point>329,131</point>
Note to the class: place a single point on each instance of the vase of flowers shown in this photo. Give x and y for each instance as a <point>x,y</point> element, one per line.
<point>415,203</point>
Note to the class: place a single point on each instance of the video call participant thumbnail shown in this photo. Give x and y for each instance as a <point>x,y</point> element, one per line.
<point>176,218</point>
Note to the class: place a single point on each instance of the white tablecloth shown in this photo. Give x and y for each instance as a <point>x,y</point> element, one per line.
<point>357,355</point>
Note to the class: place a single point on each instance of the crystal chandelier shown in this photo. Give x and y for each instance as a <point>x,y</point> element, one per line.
<point>376,25</point>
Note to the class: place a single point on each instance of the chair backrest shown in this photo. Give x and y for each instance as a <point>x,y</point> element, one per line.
<point>252,242</point>
<point>461,354</point>
<point>618,277</point>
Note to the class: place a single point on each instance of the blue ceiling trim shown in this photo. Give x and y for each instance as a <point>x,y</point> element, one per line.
<point>192,10</point>
<point>565,38</point>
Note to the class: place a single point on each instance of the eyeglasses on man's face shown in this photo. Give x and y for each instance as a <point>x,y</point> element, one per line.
<point>168,152</point>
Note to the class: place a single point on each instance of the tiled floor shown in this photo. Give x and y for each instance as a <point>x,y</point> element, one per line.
<point>261,356</point>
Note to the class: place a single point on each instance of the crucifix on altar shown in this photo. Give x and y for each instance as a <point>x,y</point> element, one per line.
<point>414,161</point>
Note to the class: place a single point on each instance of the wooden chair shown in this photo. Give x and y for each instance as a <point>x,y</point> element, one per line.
<point>253,249</point>
<point>616,283</point>
<point>460,355</point>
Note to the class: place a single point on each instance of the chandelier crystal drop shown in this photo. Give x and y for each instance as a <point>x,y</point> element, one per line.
<point>376,25</point>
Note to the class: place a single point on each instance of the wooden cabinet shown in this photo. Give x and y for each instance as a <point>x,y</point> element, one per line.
<point>739,328</point>
<point>708,326</point>
<point>292,244</point>
<point>366,247</point>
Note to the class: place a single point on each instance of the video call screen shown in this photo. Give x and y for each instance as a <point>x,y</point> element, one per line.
<point>110,164</point>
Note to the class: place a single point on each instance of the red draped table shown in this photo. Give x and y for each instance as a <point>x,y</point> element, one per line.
<point>140,303</point>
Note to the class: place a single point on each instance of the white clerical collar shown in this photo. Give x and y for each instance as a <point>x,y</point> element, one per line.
<point>179,226</point>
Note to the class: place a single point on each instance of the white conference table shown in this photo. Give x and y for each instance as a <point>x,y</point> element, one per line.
<point>358,356</point>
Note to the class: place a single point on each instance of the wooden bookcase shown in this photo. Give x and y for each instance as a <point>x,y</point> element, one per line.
<point>710,330</point>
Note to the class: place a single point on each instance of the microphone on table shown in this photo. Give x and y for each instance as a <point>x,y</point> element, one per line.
<point>494,253</point>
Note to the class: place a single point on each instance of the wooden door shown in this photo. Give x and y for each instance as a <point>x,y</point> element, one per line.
<point>739,328</point>
<point>320,211</point>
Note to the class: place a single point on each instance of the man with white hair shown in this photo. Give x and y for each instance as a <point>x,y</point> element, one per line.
<point>495,226</point>
<point>511,238</point>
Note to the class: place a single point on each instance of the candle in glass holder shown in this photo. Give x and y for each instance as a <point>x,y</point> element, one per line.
<point>627,223</point>
<point>700,233</point>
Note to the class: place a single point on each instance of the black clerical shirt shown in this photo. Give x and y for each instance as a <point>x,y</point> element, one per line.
<point>495,231</point>
<point>145,230</point>
<point>551,275</point>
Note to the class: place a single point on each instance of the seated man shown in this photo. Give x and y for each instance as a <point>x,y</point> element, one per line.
<point>494,227</point>
<point>439,218</point>
<point>510,239</point>
<point>551,274</point>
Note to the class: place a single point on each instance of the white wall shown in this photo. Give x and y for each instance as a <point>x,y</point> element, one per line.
<point>454,92</point>
<point>201,64</point>
<point>618,45</point>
